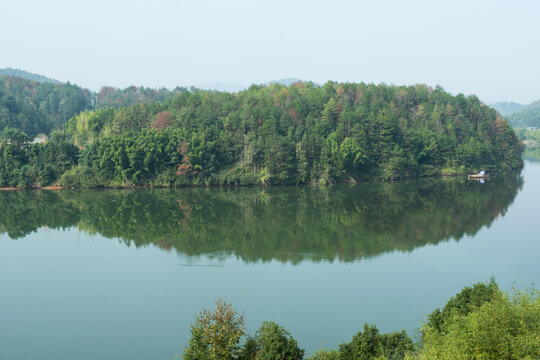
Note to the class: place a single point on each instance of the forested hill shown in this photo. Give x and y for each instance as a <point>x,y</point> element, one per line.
<point>506,108</point>
<point>520,116</point>
<point>529,116</point>
<point>112,97</point>
<point>273,135</point>
<point>36,104</point>
<point>27,75</point>
<point>38,107</point>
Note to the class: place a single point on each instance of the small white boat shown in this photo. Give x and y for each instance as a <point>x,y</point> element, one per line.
<point>481,175</point>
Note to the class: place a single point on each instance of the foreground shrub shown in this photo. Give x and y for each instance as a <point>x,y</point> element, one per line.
<point>215,335</point>
<point>467,300</point>
<point>370,344</point>
<point>507,327</point>
<point>479,323</point>
<point>81,177</point>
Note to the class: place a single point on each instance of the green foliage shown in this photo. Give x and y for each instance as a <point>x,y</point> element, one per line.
<point>110,97</point>
<point>308,134</point>
<point>24,164</point>
<point>469,299</point>
<point>507,108</point>
<point>481,322</point>
<point>531,140</point>
<point>289,135</point>
<point>27,75</point>
<point>90,126</point>
<point>506,327</point>
<point>370,344</point>
<point>151,157</point>
<point>80,177</point>
<point>325,354</point>
<point>527,116</point>
<point>249,350</point>
<point>216,335</point>
<point>274,342</point>
<point>532,153</point>
<point>38,107</point>
<point>199,347</point>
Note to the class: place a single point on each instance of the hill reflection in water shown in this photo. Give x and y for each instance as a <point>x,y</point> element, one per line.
<point>343,222</point>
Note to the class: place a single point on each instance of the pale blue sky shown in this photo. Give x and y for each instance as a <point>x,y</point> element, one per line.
<point>488,48</point>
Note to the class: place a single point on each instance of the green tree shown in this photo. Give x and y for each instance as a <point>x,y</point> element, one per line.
<point>273,342</point>
<point>370,344</point>
<point>216,333</point>
<point>506,327</point>
<point>325,354</point>
<point>199,346</point>
<point>467,300</point>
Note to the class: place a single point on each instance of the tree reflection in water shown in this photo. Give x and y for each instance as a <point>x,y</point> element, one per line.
<point>343,222</point>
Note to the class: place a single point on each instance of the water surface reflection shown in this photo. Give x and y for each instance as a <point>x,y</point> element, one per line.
<point>344,222</point>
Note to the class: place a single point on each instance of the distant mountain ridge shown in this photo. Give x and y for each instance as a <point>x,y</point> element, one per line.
<point>43,119</point>
<point>219,86</point>
<point>286,81</point>
<point>519,115</point>
<point>529,116</point>
<point>28,75</point>
<point>507,108</point>
<point>36,103</point>
<point>38,107</point>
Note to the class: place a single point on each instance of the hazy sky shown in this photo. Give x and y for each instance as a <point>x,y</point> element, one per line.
<point>489,48</point>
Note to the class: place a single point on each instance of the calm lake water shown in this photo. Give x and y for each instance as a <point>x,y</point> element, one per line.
<point>109,274</point>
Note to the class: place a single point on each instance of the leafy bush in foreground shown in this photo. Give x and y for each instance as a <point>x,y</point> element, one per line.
<point>479,323</point>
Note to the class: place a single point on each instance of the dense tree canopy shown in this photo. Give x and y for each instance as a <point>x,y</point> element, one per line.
<point>481,322</point>
<point>27,75</point>
<point>288,135</point>
<point>24,164</point>
<point>296,134</point>
<point>39,107</point>
<point>110,97</point>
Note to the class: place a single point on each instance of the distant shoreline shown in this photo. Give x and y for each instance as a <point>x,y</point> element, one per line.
<point>58,187</point>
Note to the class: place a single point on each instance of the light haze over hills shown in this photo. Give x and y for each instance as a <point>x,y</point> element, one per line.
<point>218,86</point>
<point>506,108</point>
<point>456,45</point>
<point>27,75</point>
<point>518,114</point>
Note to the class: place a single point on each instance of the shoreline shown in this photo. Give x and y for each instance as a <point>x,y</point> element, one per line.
<point>349,181</point>
<point>53,187</point>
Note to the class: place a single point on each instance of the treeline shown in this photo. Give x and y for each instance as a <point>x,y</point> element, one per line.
<point>27,75</point>
<point>290,135</point>
<point>480,322</point>
<point>111,97</point>
<point>24,164</point>
<point>296,134</point>
<point>39,107</point>
<point>36,104</point>
<point>289,224</point>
